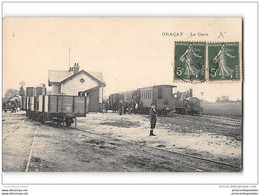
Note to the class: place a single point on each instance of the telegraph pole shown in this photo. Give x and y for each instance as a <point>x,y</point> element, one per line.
<point>69,58</point>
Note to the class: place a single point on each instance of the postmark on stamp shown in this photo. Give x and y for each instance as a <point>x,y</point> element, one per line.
<point>190,61</point>
<point>223,61</point>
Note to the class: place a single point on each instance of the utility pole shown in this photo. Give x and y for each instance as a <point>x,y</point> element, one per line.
<point>69,58</point>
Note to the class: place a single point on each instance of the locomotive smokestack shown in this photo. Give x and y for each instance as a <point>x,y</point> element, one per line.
<point>76,68</point>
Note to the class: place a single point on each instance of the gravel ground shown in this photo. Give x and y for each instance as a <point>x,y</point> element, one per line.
<point>110,142</point>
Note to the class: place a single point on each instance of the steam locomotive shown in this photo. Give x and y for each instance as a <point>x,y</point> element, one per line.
<point>185,103</point>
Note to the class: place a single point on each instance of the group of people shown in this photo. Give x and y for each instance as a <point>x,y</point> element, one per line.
<point>124,107</point>
<point>12,106</point>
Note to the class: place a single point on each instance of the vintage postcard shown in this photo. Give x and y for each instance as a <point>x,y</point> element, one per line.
<point>122,94</point>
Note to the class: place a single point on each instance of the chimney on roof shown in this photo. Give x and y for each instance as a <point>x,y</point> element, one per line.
<point>71,69</point>
<point>76,68</point>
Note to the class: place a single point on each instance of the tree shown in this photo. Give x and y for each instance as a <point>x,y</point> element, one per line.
<point>224,98</point>
<point>21,90</point>
<point>22,83</point>
<point>10,93</point>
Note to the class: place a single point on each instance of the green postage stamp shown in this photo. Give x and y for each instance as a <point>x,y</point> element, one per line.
<point>190,61</point>
<point>223,61</point>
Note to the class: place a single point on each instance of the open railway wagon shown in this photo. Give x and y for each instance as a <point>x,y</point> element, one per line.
<point>59,109</point>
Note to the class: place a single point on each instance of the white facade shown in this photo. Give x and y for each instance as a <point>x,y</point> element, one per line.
<point>55,89</point>
<point>80,82</point>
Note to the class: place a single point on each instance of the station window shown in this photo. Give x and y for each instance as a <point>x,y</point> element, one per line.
<point>81,93</point>
<point>82,80</point>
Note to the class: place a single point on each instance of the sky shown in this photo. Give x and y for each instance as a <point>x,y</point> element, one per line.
<point>130,52</point>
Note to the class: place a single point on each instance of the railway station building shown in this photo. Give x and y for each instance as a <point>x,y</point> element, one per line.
<point>14,98</point>
<point>78,82</point>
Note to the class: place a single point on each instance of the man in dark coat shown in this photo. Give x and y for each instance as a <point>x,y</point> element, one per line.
<point>5,106</point>
<point>125,105</point>
<point>153,118</point>
<point>140,107</point>
<point>120,107</point>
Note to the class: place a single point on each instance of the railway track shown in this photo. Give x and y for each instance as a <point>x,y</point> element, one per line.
<point>211,117</point>
<point>20,124</point>
<point>16,127</point>
<point>188,168</point>
<point>31,150</point>
<point>227,120</point>
<point>202,161</point>
<point>191,163</point>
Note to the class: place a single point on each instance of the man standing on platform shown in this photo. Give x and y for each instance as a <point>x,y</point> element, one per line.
<point>153,118</point>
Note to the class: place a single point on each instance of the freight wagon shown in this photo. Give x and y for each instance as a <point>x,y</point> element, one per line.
<point>59,109</point>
